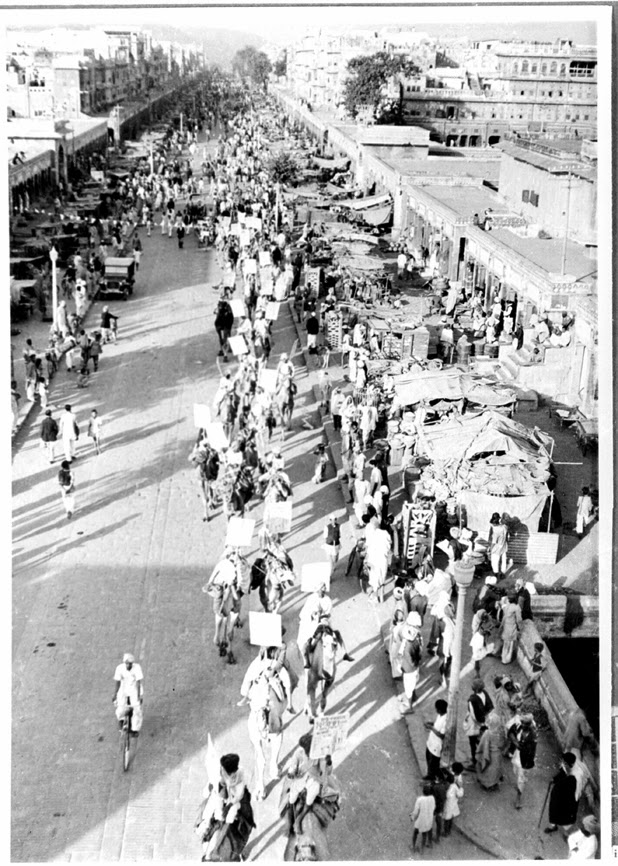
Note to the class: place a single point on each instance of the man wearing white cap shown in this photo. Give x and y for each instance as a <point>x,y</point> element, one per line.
<point>583,843</point>
<point>411,649</point>
<point>129,692</point>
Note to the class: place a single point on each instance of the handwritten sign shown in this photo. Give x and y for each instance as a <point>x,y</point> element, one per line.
<point>229,279</point>
<point>254,222</point>
<point>238,307</point>
<point>264,628</point>
<point>329,734</point>
<point>313,575</point>
<point>245,238</point>
<point>239,532</point>
<point>235,229</point>
<point>238,345</point>
<point>278,517</point>
<point>264,259</point>
<point>250,266</point>
<point>201,415</point>
<point>216,435</point>
<point>268,380</point>
<point>272,310</point>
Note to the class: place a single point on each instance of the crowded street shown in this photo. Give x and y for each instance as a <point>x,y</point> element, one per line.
<point>254,515</point>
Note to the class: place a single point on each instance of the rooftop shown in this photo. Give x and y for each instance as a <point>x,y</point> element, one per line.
<point>547,254</point>
<point>559,163</point>
<point>466,200</point>
<point>446,166</point>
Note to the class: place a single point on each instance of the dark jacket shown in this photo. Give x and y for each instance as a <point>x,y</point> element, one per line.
<point>49,429</point>
<point>313,325</point>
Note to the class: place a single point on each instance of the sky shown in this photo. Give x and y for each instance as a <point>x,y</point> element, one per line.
<point>286,22</point>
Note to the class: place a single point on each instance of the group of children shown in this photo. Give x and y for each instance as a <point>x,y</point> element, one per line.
<point>439,804</point>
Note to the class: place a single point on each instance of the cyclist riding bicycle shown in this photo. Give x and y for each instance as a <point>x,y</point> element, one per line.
<point>129,692</point>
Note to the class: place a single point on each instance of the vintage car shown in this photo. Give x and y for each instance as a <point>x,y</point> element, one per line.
<point>118,278</point>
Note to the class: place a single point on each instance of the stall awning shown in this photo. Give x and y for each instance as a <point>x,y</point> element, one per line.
<point>428,385</point>
<point>335,164</point>
<point>377,216</point>
<point>363,203</point>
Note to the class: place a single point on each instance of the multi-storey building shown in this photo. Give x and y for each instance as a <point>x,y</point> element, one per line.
<point>542,87</point>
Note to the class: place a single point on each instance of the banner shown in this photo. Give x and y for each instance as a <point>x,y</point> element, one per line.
<point>329,734</point>
<point>313,575</point>
<point>264,628</point>
<point>201,416</point>
<point>239,532</point>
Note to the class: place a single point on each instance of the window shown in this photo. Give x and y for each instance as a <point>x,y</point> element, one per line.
<point>586,116</point>
<point>563,69</point>
<point>515,68</point>
<point>544,69</point>
<point>522,92</point>
<point>524,67</point>
<point>533,69</point>
<point>553,68</point>
<point>550,92</point>
<point>534,199</point>
<point>525,195</point>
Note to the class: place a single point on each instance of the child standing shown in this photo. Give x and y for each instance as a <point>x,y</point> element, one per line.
<point>94,430</point>
<point>67,488</point>
<point>538,663</point>
<point>454,793</point>
<point>422,816</point>
<point>95,350</point>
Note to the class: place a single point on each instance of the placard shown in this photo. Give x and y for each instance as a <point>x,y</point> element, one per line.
<point>313,575</point>
<point>226,222</point>
<point>235,229</point>
<point>250,266</point>
<point>239,532</point>
<point>234,458</point>
<point>216,435</point>
<point>254,222</point>
<point>229,279</point>
<point>278,517</point>
<point>268,380</point>
<point>238,345</point>
<point>329,734</point>
<point>264,628</point>
<point>272,310</point>
<point>245,238</point>
<point>264,258</point>
<point>201,415</point>
<point>238,307</point>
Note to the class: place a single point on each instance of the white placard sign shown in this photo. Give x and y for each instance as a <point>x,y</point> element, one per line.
<point>313,575</point>
<point>242,219</point>
<point>268,380</point>
<point>226,221</point>
<point>250,266</point>
<point>216,435</point>
<point>238,307</point>
<point>201,415</point>
<point>272,310</point>
<point>239,532</point>
<point>254,222</point>
<point>278,517</point>
<point>329,734</point>
<point>238,345</point>
<point>264,258</point>
<point>235,229</point>
<point>264,628</point>
<point>229,279</point>
<point>245,237</point>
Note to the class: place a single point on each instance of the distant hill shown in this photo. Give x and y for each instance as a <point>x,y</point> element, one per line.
<point>220,45</point>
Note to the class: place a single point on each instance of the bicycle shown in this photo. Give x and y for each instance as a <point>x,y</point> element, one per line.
<point>126,737</point>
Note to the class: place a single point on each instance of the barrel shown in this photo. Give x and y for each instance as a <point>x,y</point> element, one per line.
<point>479,347</point>
<point>492,350</point>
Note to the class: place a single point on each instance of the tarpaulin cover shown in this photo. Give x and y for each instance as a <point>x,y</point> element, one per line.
<point>490,432</point>
<point>363,203</point>
<point>428,385</point>
<point>480,507</point>
<point>336,164</point>
<point>487,395</point>
<point>362,263</point>
<point>377,216</point>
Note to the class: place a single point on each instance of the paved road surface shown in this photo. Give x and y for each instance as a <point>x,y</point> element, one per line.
<point>126,574</point>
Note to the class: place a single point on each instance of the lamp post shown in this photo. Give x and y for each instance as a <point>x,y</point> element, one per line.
<point>53,254</point>
<point>464,572</point>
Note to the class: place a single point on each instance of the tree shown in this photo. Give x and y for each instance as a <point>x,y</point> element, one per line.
<point>249,63</point>
<point>282,167</point>
<point>366,83</point>
<point>281,64</point>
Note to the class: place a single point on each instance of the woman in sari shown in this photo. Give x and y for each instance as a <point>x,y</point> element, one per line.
<point>489,753</point>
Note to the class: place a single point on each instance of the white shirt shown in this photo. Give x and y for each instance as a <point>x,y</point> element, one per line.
<point>128,680</point>
<point>582,847</point>
<point>434,742</point>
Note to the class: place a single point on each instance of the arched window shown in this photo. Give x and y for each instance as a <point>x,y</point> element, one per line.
<point>533,69</point>
<point>563,69</point>
<point>515,68</point>
<point>524,67</point>
<point>553,68</point>
<point>544,69</point>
